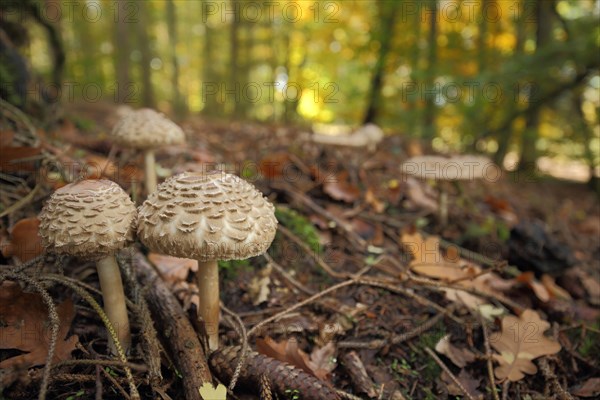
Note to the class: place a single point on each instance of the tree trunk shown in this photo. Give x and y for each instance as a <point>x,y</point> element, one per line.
<point>429,114</point>
<point>387,14</point>
<point>145,20</point>
<point>122,50</point>
<point>528,155</point>
<point>234,87</point>
<point>178,103</point>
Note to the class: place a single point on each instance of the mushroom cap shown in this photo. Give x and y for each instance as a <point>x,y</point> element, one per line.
<point>463,167</point>
<point>90,219</point>
<point>146,128</point>
<point>207,216</point>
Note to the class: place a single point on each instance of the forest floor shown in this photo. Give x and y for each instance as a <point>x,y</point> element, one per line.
<point>362,289</point>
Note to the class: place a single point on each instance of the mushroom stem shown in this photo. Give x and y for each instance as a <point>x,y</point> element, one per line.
<point>443,207</point>
<point>208,287</point>
<point>114,300</point>
<point>150,167</point>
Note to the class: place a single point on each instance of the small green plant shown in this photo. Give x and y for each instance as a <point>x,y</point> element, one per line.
<point>300,226</point>
<point>292,394</point>
<point>76,395</point>
<point>231,268</point>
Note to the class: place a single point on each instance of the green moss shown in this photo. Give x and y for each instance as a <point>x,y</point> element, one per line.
<point>300,226</point>
<point>230,269</point>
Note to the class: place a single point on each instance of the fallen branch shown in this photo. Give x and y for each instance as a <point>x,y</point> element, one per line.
<point>179,336</point>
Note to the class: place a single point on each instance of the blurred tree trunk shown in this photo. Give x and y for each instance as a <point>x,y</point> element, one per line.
<point>505,137</point>
<point>429,114</point>
<point>122,50</point>
<point>528,155</point>
<point>387,14</point>
<point>178,103</point>
<point>142,25</point>
<point>234,97</point>
<point>209,81</point>
<point>481,39</point>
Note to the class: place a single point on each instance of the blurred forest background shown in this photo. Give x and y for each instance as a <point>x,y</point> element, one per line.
<point>517,79</point>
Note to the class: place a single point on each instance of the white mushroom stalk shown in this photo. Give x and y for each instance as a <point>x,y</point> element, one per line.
<point>147,130</point>
<point>207,217</point>
<point>92,220</point>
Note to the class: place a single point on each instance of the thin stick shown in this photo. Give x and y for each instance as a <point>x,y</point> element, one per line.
<point>21,202</point>
<point>449,373</point>
<point>296,306</point>
<point>313,256</point>
<point>488,354</point>
<point>244,340</point>
<point>287,275</point>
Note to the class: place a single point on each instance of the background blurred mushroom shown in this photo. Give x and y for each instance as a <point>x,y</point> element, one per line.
<point>207,217</point>
<point>449,169</point>
<point>91,220</point>
<point>147,129</point>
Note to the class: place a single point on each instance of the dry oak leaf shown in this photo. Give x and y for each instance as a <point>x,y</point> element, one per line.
<point>520,341</point>
<point>208,392</point>
<point>173,269</point>
<point>25,326</point>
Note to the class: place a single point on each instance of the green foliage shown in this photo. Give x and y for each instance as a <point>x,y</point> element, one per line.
<point>231,268</point>
<point>300,226</point>
<point>76,395</point>
<point>491,226</point>
<point>292,394</point>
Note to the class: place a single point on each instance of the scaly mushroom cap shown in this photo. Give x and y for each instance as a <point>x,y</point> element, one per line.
<point>466,167</point>
<point>147,128</point>
<point>90,219</point>
<point>212,216</point>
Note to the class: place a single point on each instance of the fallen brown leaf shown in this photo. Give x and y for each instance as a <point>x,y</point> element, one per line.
<point>25,243</point>
<point>288,351</point>
<point>459,356</point>
<point>589,388</point>
<point>25,327</point>
<point>341,189</point>
<point>467,381</point>
<point>173,269</point>
<point>521,340</point>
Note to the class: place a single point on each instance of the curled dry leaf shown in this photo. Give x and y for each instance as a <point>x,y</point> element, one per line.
<point>429,261</point>
<point>589,388</point>
<point>372,200</point>
<point>25,243</point>
<point>520,341</point>
<point>460,357</point>
<point>25,327</point>
<point>173,269</point>
<point>341,189</point>
<point>288,351</point>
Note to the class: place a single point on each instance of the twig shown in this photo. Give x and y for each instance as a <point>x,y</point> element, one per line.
<point>449,373</point>
<point>21,202</point>
<point>488,354</point>
<point>241,330</point>
<point>115,383</point>
<point>552,379</point>
<point>342,226</point>
<point>287,275</point>
<point>313,256</point>
<point>396,339</point>
<point>505,389</point>
<point>304,302</point>
<point>110,363</point>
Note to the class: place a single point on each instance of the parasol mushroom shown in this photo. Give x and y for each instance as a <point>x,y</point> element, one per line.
<point>207,217</point>
<point>91,220</point>
<point>148,130</point>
